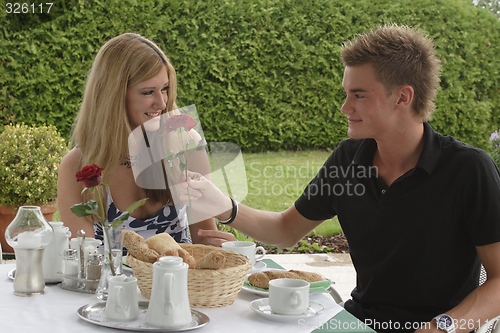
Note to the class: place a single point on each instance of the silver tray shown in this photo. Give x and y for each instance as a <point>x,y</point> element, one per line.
<point>78,288</point>
<point>94,313</point>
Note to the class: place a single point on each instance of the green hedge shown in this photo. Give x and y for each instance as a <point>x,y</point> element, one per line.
<point>264,74</point>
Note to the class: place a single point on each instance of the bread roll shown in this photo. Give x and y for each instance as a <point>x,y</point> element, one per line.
<point>212,260</point>
<point>138,248</point>
<point>165,245</point>
<point>261,279</point>
<point>308,276</point>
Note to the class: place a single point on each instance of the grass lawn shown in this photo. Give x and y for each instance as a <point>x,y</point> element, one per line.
<point>276,179</point>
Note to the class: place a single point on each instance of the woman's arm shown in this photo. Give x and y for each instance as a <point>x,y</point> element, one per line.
<point>69,193</point>
<point>205,232</point>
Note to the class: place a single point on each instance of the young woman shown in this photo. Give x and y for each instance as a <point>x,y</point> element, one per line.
<point>130,83</point>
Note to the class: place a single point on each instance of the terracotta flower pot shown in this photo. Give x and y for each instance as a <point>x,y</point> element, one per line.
<point>7,214</point>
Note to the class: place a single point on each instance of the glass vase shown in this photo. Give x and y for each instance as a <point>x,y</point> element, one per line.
<point>28,234</point>
<point>112,259</point>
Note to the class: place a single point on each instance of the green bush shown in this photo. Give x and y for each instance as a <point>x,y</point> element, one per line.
<point>264,74</point>
<point>29,160</point>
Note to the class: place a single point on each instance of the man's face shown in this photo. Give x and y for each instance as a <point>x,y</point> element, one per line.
<point>369,109</point>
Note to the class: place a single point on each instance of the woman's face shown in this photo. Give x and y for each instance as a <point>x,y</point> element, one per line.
<point>146,100</point>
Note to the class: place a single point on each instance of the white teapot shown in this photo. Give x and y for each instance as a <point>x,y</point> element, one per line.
<point>169,305</point>
<point>54,252</point>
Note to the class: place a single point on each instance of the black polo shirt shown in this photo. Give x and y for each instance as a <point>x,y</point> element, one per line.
<point>412,244</point>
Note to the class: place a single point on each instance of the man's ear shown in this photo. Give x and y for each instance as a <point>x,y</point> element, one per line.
<point>405,95</point>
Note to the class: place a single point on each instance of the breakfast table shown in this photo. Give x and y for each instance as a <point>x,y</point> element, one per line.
<point>57,311</point>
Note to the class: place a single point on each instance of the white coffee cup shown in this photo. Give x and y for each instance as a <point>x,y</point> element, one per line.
<point>122,303</point>
<point>250,249</point>
<point>289,296</point>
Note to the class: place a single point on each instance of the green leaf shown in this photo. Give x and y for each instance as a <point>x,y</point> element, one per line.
<point>136,205</point>
<point>85,209</point>
<point>120,219</point>
<point>191,144</point>
<point>126,214</point>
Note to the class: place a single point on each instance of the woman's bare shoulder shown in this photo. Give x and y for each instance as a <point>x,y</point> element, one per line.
<point>71,161</point>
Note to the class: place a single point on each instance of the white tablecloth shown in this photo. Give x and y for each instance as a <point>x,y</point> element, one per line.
<point>56,311</point>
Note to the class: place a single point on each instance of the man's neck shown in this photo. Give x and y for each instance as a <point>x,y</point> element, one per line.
<point>399,153</point>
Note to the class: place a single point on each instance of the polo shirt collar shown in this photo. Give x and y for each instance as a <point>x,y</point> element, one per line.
<point>431,153</point>
<point>428,158</point>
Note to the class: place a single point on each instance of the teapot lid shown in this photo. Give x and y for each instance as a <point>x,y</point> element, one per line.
<point>170,261</point>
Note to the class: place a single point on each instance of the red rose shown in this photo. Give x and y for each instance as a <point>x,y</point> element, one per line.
<point>177,121</point>
<point>90,175</point>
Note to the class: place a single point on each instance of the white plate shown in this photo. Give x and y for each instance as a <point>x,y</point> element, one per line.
<point>12,274</point>
<point>316,287</point>
<point>262,308</point>
<point>258,266</point>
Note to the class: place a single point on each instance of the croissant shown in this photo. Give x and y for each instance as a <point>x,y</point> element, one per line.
<point>261,279</point>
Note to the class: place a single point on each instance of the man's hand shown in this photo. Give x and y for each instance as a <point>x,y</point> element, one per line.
<point>204,198</point>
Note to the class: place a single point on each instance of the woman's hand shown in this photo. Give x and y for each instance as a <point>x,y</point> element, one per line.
<point>215,237</point>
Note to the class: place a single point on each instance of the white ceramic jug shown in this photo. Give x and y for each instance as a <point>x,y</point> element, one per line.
<point>169,305</point>
<point>122,302</point>
<point>54,253</point>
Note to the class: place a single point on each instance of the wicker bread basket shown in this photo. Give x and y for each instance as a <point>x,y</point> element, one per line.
<point>206,288</point>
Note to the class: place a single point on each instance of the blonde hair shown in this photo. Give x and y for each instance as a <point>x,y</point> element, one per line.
<point>102,127</point>
<point>400,55</point>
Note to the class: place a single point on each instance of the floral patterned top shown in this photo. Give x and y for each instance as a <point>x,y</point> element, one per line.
<point>167,219</point>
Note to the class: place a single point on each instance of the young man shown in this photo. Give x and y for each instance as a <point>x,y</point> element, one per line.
<point>420,210</point>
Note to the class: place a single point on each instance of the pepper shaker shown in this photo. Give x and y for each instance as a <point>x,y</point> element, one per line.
<point>94,266</point>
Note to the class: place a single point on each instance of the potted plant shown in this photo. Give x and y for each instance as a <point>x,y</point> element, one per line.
<point>29,161</point>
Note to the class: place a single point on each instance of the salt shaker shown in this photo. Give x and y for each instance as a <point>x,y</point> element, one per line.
<point>70,268</point>
<point>94,266</point>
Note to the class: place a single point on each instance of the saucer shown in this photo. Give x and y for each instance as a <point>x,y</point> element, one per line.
<point>262,308</point>
<point>258,266</point>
